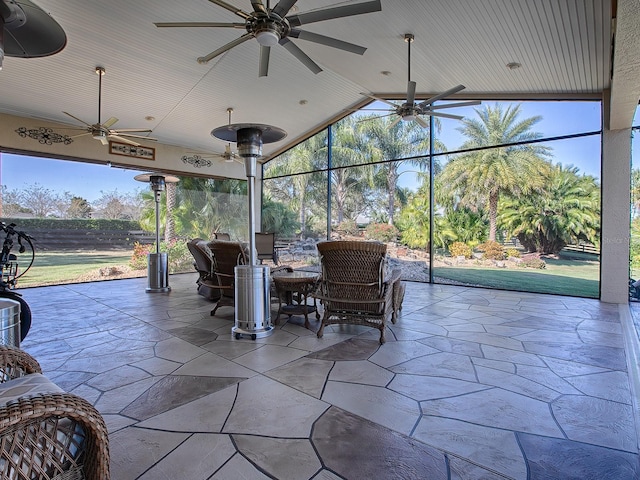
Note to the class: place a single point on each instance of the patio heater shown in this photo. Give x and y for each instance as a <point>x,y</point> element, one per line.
<point>252,299</point>
<point>157,263</point>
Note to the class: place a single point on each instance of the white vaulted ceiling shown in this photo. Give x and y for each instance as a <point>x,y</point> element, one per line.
<point>564,48</point>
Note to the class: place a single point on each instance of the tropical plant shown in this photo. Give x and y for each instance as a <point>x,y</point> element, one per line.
<point>295,188</point>
<point>567,212</point>
<point>478,178</point>
<point>635,192</point>
<point>278,218</point>
<point>413,221</point>
<point>349,186</point>
<point>393,142</point>
<point>202,207</point>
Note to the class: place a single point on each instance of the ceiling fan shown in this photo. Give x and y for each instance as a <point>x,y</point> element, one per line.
<point>103,131</point>
<point>228,155</point>
<point>410,109</point>
<point>271,26</point>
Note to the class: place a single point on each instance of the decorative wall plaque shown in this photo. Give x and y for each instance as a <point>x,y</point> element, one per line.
<point>43,135</point>
<point>196,160</point>
<point>126,150</point>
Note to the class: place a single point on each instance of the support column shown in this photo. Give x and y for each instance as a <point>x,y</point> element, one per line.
<point>615,237</point>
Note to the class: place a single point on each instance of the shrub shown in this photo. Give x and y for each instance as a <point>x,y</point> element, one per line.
<point>179,257</point>
<point>457,249</point>
<point>139,257</point>
<point>492,250</point>
<point>382,232</point>
<point>347,227</point>
<point>513,252</point>
<point>534,263</point>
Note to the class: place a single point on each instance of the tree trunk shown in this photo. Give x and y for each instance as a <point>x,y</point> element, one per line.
<point>170,223</point>
<point>392,181</point>
<point>493,215</point>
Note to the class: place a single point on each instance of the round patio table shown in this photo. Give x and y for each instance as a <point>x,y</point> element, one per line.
<point>293,289</point>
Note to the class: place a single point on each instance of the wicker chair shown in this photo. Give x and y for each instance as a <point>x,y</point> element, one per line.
<point>49,436</point>
<point>226,255</point>
<point>266,247</point>
<point>203,263</point>
<point>355,287</point>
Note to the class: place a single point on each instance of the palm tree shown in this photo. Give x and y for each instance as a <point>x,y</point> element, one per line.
<point>566,212</point>
<point>170,224</point>
<point>479,178</point>
<point>349,185</point>
<point>389,142</point>
<point>295,189</point>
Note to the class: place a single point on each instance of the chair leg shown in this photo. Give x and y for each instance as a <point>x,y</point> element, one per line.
<point>320,330</point>
<point>382,339</point>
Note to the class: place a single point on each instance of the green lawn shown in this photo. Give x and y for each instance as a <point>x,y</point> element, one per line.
<point>51,268</point>
<point>566,276</point>
<point>562,276</point>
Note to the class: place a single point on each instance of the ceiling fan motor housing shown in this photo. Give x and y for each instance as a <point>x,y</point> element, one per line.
<point>268,29</point>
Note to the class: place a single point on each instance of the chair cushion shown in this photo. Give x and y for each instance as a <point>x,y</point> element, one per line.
<point>27,385</point>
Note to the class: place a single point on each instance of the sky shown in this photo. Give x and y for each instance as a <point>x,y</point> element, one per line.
<point>89,180</point>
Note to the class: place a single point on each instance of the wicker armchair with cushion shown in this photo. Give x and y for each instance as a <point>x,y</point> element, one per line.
<point>46,433</point>
<point>355,285</point>
<point>226,255</point>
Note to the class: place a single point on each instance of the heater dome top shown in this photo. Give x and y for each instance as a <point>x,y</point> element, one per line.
<point>229,133</point>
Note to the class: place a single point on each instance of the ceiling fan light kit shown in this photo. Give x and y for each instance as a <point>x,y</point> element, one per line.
<point>271,27</point>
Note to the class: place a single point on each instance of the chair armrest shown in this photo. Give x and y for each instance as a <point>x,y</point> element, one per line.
<point>33,427</point>
<point>16,363</point>
<point>393,276</point>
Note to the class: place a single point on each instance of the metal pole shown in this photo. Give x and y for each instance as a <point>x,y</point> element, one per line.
<point>157,195</point>
<point>431,198</point>
<point>250,168</point>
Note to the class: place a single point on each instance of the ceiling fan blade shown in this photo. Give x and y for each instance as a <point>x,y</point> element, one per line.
<point>199,24</point>
<point>258,6</point>
<point>110,122</point>
<point>105,140</point>
<point>119,139</point>
<point>138,130</point>
<point>231,8</point>
<point>123,134</point>
<point>395,122</point>
<point>293,49</point>
<point>439,114</point>
<point>411,92</point>
<point>379,99</point>
<point>224,48</point>
<point>328,41</point>
<point>264,60</point>
<point>334,12</point>
<point>76,118</point>
<point>375,117</point>
<point>81,135</point>
<point>421,122</point>
<point>451,91</point>
<point>283,7</point>
<point>459,104</point>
